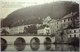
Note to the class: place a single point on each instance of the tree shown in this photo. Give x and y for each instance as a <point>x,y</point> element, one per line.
<point>32,29</point>
<point>61,34</point>
<point>25,30</point>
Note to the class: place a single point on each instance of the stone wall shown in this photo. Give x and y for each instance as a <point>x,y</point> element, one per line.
<point>61,37</point>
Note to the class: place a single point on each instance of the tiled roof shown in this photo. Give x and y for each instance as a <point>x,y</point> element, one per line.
<point>70,15</point>
<point>43,26</point>
<point>51,21</point>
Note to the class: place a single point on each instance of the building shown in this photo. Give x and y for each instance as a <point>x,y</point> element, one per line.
<point>18,29</point>
<point>73,35</point>
<point>38,25</point>
<point>5,31</point>
<point>6,28</point>
<point>22,28</point>
<point>69,20</point>
<point>46,20</point>
<point>44,30</point>
<point>73,32</point>
<point>52,24</point>
<point>65,24</point>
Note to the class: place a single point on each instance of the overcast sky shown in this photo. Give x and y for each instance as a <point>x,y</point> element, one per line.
<point>8,7</point>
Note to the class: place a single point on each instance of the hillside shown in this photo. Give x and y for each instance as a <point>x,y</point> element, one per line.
<point>35,14</point>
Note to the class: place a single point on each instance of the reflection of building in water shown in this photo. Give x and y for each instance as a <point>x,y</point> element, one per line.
<point>19,44</point>
<point>73,48</point>
<point>44,30</point>
<point>47,46</point>
<point>35,43</point>
<point>61,47</point>
<point>65,47</point>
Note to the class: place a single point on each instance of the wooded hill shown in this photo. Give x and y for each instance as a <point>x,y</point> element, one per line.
<point>35,14</point>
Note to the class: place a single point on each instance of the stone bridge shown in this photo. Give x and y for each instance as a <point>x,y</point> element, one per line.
<point>28,39</point>
<point>20,41</point>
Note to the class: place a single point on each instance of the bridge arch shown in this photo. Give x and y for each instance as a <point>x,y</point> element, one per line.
<point>3,44</point>
<point>47,40</point>
<point>20,44</point>
<point>35,43</point>
<point>47,43</point>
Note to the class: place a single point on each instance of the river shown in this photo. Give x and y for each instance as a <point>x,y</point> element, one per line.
<point>40,47</point>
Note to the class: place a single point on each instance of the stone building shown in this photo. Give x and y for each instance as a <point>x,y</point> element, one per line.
<point>66,23</point>
<point>44,30</point>
<point>52,24</point>
<point>17,29</point>
<point>73,32</point>
<point>5,30</point>
<point>46,20</point>
<point>73,35</point>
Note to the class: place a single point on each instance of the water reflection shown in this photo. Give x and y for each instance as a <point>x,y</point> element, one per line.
<point>73,48</point>
<point>65,47</point>
<point>47,40</point>
<point>61,47</point>
<point>35,44</point>
<point>3,44</point>
<point>19,44</point>
<point>46,47</point>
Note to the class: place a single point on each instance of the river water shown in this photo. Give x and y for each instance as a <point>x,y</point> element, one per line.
<point>40,47</point>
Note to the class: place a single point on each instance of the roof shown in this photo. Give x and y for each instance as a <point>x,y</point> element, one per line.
<point>47,19</point>
<point>43,26</point>
<point>53,20</point>
<point>4,31</point>
<point>70,15</point>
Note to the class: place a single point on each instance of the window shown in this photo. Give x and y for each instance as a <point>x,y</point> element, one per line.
<point>57,26</point>
<point>74,35</point>
<point>74,31</point>
<point>64,20</point>
<point>70,36</point>
<point>69,31</point>
<point>71,18</point>
<point>79,30</point>
<point>47,31</point>
<point>68,19</point>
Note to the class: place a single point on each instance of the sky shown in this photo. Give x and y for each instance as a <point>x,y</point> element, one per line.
<point>8,6</point>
